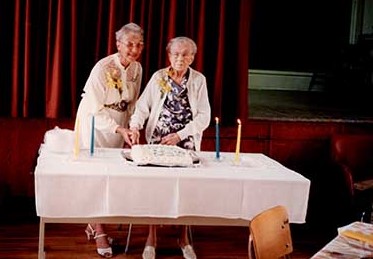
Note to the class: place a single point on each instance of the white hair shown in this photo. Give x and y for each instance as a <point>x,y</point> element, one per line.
<point>126,29</point>
<point>183,40</point>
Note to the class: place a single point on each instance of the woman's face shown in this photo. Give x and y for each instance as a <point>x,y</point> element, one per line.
<point>130,47</point>
<point>180,56</point>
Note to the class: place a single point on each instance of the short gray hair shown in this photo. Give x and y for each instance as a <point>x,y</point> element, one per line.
<point>183,40</point>
<point>129,27</point>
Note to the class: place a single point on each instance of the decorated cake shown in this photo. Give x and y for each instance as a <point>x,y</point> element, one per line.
<point>156,154</point>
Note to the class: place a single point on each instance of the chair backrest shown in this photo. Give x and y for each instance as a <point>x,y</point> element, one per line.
<point>354,155</point>
<point>270,234</point>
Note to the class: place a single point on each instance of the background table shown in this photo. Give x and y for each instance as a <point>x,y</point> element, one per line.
<point>343,246</point>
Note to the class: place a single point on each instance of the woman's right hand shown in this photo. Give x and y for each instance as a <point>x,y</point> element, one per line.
<point>126,134</point>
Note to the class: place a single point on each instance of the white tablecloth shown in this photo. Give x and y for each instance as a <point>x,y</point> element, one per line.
<point>107,185</point>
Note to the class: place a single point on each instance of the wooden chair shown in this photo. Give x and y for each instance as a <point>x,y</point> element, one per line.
<point>353,156</point>
<point>270,235</point>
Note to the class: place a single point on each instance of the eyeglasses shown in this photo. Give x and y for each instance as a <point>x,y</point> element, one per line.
<point>131,44</point>
<point>182,55</point>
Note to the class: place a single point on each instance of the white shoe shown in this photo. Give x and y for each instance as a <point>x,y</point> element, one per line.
<point>90,232</point>
<point>149,252</point>
<point>104,252</point>
<point>188,252</point>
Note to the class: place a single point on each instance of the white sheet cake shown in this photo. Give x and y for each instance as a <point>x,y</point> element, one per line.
<point>157,154</point>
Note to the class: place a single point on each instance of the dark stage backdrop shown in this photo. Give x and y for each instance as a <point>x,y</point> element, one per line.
<point>49,47</point>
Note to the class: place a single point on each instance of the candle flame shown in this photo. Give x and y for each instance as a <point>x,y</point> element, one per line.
<point>217,119</point>
<point>239,121</point>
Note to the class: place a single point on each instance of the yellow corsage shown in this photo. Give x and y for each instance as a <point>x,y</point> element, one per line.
<point>164,85</point>
<point>113,79</point>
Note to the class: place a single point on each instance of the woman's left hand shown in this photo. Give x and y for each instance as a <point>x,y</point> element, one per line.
<point>170,139</point>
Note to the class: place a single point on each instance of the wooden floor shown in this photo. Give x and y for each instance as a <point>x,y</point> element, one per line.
<point>69,241</point>
<point>19,239</point>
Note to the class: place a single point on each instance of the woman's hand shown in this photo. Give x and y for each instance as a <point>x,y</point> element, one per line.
<point>126,134</point>
<point>170,139</point>
<point>135,137</point>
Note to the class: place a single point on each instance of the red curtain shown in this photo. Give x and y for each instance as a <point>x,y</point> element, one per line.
<point>49,48</point>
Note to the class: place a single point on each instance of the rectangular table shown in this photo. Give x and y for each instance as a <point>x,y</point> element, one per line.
<point>349,246</point>
<point>106,188</point>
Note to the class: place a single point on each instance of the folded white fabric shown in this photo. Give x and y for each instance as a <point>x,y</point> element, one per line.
<point>59,140</point>
<point>360,231</point>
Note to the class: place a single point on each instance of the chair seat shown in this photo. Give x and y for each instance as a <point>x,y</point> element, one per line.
<point>364,185</point>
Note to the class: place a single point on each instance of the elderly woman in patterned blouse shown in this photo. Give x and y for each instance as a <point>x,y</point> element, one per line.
<point>176,106</point>
<point>110,94</point>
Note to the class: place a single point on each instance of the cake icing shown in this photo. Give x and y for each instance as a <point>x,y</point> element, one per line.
<point>158,154</point>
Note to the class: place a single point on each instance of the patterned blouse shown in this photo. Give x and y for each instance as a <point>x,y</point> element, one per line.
<point>175,114</point>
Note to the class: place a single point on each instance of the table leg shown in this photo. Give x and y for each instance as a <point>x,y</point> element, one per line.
<point>128,238</point>
<point>41,254</point>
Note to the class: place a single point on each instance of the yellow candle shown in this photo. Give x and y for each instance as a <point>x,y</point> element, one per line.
<point>238,143</point>
<point>76,142</point>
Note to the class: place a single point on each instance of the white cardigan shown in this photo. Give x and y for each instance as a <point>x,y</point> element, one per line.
<point>150,103</point>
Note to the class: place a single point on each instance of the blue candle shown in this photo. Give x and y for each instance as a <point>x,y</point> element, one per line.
<point>92,149</point>
<point>217,138</point>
